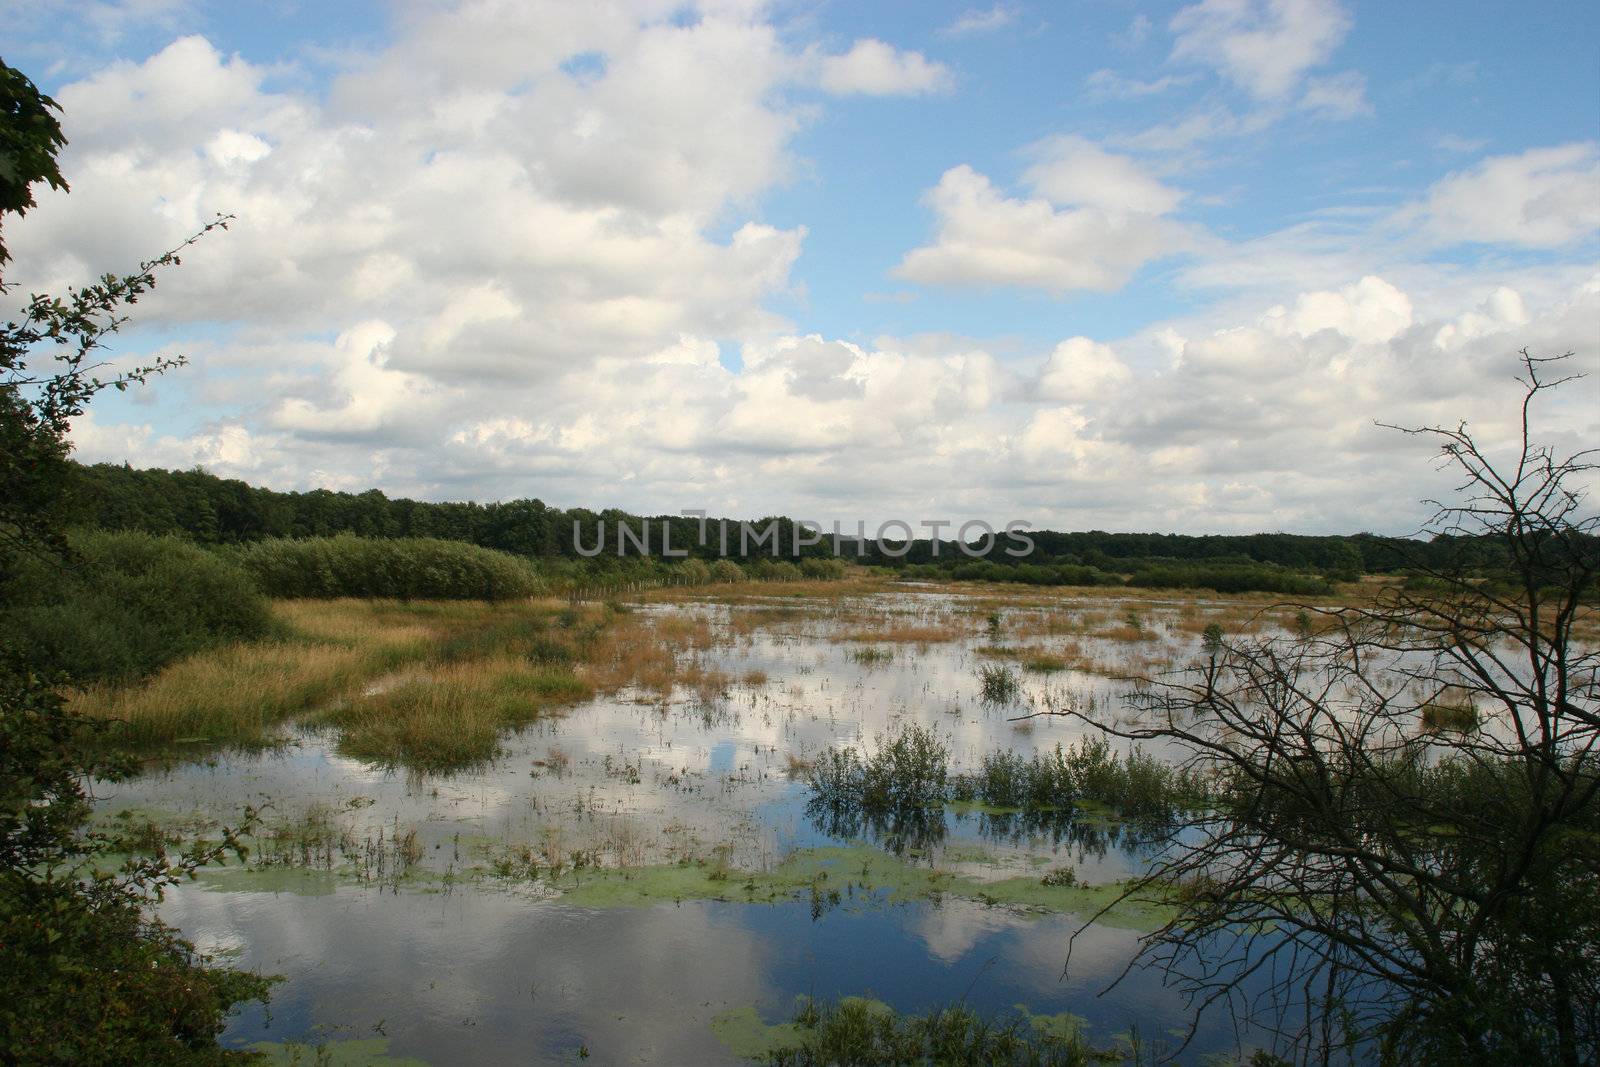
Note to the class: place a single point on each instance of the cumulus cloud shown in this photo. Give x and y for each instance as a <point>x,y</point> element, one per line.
<point>1081,371</point>
<point>873,68</point>
<point>1541,198</point>
<point>515,254</point>
<point>1097,219</point>
<point>1263,46</point>
<point>1072,170</point>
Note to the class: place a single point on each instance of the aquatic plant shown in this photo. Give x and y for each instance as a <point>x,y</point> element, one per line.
<point>1458,717</point>
<point>999,684</point>
<point>898,792</point>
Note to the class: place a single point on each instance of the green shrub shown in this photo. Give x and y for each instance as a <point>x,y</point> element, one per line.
<point>855,1030</point>
<point>127,604</point>
<point>692,572</point>
<point>406,568</point>
<point>726,570</point>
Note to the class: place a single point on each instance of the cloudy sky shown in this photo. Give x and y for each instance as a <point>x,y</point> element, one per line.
<point>1093,265</point>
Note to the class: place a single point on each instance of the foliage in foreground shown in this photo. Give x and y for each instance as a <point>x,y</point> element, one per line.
<point>1406,852</point>
<point>405,568</point>
<point>126,605</point>
<point>859,1031</point>
<point>86,977</point>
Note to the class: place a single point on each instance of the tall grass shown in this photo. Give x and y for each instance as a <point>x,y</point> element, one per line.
<point>239,694</point>
<point>453,717</point>
<point>431,685</point>
<point>406,568</point>
<point>910,771</point>
<point>907,771</point>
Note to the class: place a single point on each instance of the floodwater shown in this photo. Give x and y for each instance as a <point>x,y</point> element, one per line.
<point>455,964</point>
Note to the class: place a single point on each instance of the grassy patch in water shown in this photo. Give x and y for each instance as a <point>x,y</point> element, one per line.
<point>452,718</point>
<point>427,685</point>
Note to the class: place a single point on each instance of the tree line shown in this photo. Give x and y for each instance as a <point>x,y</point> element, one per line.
<point>205,508</point>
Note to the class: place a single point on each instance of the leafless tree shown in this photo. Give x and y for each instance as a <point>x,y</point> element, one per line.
<point>1402,861</point>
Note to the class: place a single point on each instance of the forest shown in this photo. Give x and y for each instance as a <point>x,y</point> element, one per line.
<point>209,510</point>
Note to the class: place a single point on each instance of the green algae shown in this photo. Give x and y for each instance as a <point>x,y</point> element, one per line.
<point>742,1033</point>
<point>366,1052</point>
<point>862,874</point>
<point>298,881</point>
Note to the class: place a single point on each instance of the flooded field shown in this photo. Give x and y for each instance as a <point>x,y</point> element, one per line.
<point>640,875</point>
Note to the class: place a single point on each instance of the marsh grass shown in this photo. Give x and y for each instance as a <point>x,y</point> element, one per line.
<point>428,685</point>
<point>910,771</point>
<point>320,837</point>
<point>999,684</point>
<point>908,633</point>
<point>1459,717</point>
<point>454,717</point>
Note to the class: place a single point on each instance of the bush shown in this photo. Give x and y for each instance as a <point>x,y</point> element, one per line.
<point>726,570</point>
<point>406,568</point>
<point>127,604</point>
<point>692,572</point>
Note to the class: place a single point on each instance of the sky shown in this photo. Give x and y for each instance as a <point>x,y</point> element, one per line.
<point>1099,265</point>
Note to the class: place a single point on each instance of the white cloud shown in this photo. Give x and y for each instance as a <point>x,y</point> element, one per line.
<point>1106,84</point>
<point>1071,170</point>
<point>1263,46</point>
<point>1080,371</point>
<point>1369,312</point>
<point>873,68</point>
<point>986,238</point>
<point>976,21</point>
<point>1108,224</point>
<point>1338,96</point>
<point>1541,198</point>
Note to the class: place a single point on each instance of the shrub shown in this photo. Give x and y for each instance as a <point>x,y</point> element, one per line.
<point>726,570</point>
<point>407,568</point>
<point>692,572</point>
<point>127,604</point>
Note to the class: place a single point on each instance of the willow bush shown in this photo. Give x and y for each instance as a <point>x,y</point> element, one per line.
<point>402,568</point>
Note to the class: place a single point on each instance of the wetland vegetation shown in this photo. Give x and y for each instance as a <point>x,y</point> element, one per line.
<point>445,792</point>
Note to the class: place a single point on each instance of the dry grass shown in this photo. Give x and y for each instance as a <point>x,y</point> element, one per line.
<point>237,694</point>
<point>904,633</point>
<point>469,671</point>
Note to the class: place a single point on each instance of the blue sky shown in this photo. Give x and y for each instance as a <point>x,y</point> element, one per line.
<point>1115,265</point>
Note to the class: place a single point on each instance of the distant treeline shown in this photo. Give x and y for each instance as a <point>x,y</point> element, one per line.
<point>217,511</point>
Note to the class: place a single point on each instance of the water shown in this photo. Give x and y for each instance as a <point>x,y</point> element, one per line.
<point>452,966</point>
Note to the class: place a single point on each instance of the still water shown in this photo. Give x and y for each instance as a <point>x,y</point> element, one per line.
<point>453,965</point>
